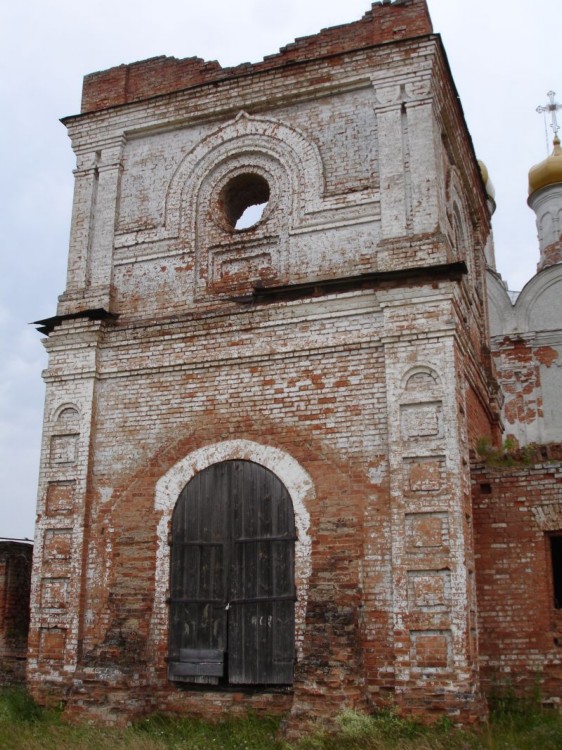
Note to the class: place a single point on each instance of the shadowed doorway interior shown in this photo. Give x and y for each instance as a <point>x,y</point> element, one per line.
<point>232,590</point>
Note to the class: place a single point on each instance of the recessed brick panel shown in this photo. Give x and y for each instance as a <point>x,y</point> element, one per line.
<point>422,420</point>
<point>54,593</point>
<point>429,591</point>
<point>60,498</point>
<point>57,545</point>
<point>431,649</point>
<point>427,531</point>
<point>52,643</point>
<point>424,475</point>
<point>64,449</point>
<point>238,267</point>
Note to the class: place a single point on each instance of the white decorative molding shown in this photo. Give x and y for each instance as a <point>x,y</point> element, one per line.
<point>247,135</point>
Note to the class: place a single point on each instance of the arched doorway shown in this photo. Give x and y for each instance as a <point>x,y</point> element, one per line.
<point>232,590</point>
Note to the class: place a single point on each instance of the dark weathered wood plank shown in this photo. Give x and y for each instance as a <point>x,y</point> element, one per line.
<point>232,577</point>
<point>201,654</point>
<point>186,669</point>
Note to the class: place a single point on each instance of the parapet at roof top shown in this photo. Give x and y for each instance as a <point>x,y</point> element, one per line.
<point>385,22</point>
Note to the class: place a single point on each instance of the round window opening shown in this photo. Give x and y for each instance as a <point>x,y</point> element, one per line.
<point>244,199</point>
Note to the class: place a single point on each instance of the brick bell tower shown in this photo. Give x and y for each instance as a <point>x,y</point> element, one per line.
<point>254,488</point>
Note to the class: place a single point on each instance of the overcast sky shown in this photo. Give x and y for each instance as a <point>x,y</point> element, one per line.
<point>504,55</point>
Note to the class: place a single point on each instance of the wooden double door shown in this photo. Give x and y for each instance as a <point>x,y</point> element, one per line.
<point>232,590</point>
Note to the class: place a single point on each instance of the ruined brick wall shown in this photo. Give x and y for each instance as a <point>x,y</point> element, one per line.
<point>551,255</point>
<point>164,75</point>
<point>15,583</point>
<point>336,342</point>
<point>528,371</point>
<point>526,347</point>
<point>516,511</point>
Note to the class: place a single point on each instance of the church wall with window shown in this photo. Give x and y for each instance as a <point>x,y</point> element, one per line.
<point>518,488</point>
<point>518,534</point>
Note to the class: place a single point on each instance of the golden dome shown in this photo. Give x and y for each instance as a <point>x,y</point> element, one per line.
<point>486,180</point>
<point>549,171</point>
<point>483,171</point>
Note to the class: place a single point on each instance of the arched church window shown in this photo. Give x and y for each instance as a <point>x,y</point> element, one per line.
<point>232,590</point>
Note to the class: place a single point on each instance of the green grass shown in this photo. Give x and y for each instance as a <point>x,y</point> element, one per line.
<point>514,725</point>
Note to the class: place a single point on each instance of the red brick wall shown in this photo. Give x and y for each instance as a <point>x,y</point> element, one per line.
<point>480,423</point>
<point>522,366</point>
<point>162,75</point>
<point>306,404</point>
<point>15,580</point>
<point>253,401</point>
<point>515,510</point>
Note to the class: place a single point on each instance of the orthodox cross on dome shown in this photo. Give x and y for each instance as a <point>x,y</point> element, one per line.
<point>552,107</point>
